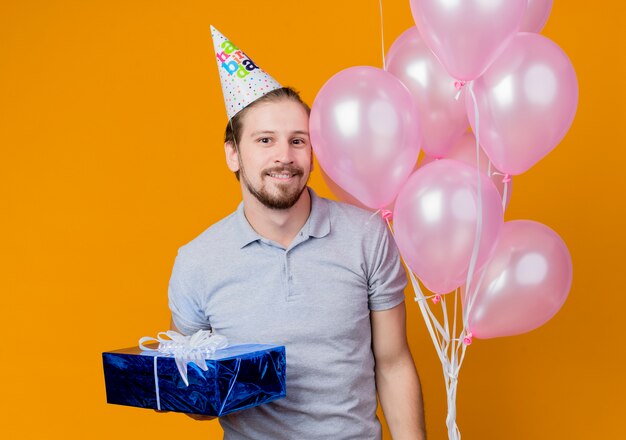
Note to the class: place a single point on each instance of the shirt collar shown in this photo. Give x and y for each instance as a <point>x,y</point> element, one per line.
<point>317,225</point>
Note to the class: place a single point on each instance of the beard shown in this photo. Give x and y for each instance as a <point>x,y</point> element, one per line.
<point>285,195</point>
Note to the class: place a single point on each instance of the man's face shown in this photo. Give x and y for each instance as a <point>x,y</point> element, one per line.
<point>275,158</point>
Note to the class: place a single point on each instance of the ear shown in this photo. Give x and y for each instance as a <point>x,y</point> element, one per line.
<point>312,162</point>
<point>232,158</point>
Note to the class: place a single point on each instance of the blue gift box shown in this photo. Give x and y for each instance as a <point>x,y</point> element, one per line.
<point>238,377</point>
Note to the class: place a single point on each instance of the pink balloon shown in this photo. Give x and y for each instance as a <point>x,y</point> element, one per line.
<point>467,35</point>
<point>524,284</point>
<point>365,133</point>
<point>526,102</point>
<point>464,150</point>
<point>346,197</point>
<point>340,193</point>
<point>435,222</point>
<point>536,15</point>
<point>442,117</point>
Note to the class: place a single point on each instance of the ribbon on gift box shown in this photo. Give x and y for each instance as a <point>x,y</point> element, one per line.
<point>194,348</point>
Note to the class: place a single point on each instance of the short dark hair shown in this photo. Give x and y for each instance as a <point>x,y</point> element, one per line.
<point>234,127</point>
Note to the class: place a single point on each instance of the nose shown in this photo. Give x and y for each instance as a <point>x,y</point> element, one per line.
<point>284,152</point>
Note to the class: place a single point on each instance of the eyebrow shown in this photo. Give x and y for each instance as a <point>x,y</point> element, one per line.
<point>257,133</point>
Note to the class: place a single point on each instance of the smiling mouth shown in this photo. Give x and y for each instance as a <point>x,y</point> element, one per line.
<point>283,174</point>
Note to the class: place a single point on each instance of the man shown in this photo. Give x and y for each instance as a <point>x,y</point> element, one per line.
<point>320,277</point>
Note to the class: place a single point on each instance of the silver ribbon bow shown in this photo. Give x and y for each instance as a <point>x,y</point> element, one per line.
<point>195,348</point>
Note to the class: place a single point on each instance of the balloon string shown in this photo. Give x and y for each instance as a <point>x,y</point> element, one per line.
<point>470,297</point>
<point>479,208</point>
<point>382,34</point>
<point>436,298</point>
<point>453,430</point>
<point>374,214</point>
<point>458,346</point>
<point>424,309</point>
<point>459,86</point>
<point>444,309</point>
<point>455,342</point>
<point>505,194</point>
<point>469,294</point>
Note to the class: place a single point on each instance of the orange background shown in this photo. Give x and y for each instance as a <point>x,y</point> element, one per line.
<point>111,118</point>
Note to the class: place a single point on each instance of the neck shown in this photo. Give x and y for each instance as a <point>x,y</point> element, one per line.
<point>279,225</point>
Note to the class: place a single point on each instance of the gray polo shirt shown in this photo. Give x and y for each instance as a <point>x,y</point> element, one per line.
<point>314,297</point>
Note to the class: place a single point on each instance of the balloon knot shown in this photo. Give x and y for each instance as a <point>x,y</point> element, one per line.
<point>506,178</point>
<point>436,298</point>
<point>459,84</point>
<point>467,340</point>
<point>386,214</point>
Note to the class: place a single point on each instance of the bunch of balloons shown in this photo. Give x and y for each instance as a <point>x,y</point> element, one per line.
<point>478,64</point>
<point>518,93</point>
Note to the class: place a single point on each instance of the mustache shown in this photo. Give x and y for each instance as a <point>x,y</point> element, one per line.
<point>291,169</point>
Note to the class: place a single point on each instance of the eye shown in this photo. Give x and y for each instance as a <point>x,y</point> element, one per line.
<point>264,140</point>
<point>298,141</point>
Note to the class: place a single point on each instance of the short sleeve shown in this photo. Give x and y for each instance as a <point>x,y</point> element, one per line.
<point>184,299</point>
<point>386,275</point>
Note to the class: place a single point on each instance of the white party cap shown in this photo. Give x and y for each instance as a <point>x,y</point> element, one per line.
<point>242,80</point>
